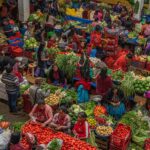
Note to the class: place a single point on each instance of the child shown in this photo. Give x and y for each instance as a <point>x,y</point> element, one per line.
<point>15,142</point>
<point>81,129</point>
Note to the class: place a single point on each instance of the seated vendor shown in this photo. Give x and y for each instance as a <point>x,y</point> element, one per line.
<point>81,128</point>
<point>56,75</point>
<point>103,82</point>
<point>41,113</point>
<point>61,120</point>
<point>123,62</point>
<point>115,106</point>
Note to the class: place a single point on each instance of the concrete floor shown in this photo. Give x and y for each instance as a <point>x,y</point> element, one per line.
<point>10,117</point>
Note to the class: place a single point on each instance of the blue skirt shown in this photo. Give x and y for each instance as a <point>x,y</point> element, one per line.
<point>116,111</point>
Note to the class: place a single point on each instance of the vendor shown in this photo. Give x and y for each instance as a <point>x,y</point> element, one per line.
<point>15,142</point>
<point>61,121</point>
<point>36,93</point>
<point>123,62</point>
<point>56,76</point>
<point>41,60</point>
<point>81,128</point>
<point>96,37</point>
<point>103,82</point>
<point>41,113</point>
<point>115,106</point>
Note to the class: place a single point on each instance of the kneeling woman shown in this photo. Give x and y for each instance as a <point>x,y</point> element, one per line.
<point>115,106</point>
<point>61,121</point>
<point>41,113</point>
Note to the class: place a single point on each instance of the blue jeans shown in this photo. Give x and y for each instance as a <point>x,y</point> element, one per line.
<point>12,101</point>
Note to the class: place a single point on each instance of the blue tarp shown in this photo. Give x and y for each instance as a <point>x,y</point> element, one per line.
<point>78,19</point>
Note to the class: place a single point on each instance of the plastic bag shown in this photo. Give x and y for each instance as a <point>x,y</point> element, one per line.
<point>4,139</point>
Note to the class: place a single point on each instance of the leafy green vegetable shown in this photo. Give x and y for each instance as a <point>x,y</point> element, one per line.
<point>67,63</point>
<point>17,126</point>
<point>127,84</point>
<point>55,145</point>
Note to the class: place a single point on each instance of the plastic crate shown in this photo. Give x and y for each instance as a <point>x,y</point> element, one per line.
<point>116,140</point>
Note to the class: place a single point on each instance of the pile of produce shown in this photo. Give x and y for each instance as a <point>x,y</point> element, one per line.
<point>31,43</point>
<point>117,75</point>
<point>89,107</point>
<point>127,84</point>
<point>104,130</point>
<point>37,16</point>
<point>71,95</point>
<point>68,96</point>
<point>4,124</point>
<point>45,135</point>
<point>141,86</point>
<point>67,63</point>
<point>53,51</point>
<point>99,110</point>
<point>132,35</point>
<point>55,144</point>
<point>74,111</point>
<point>23,88</point>
<point>17,126</point>
<point>52,88</point>
<point>139,126</point>
<point>92,122</point>
<point>52,100</point>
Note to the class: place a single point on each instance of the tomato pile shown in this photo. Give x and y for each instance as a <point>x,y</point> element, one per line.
<point>45,135</point>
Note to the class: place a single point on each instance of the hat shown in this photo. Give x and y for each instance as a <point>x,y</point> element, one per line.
<point>147,94</point>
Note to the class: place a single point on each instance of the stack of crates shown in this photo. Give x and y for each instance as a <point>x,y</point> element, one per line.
<point>120,138</point>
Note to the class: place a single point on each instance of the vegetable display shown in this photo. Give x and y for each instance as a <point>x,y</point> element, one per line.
<point>31,43</point>
<point>53,51</point>
<point>92,122</point>
<point>99,110</point>
<point>104,130</point>
<point>4,124</point>
<point>138,124</point>
<point>55,144</point>
<point>141,86</point>
<point>74,111</point>
<point>127,85</point>
<point>117,75</point>
<point>45,135</point>
<point>67,63</point>
<point>17,126</point>
<point>89,107</point>
<point>52,100</point>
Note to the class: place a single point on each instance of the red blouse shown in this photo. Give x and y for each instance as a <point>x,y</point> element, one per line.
<point>81,128</point>
<point>103,85</point>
